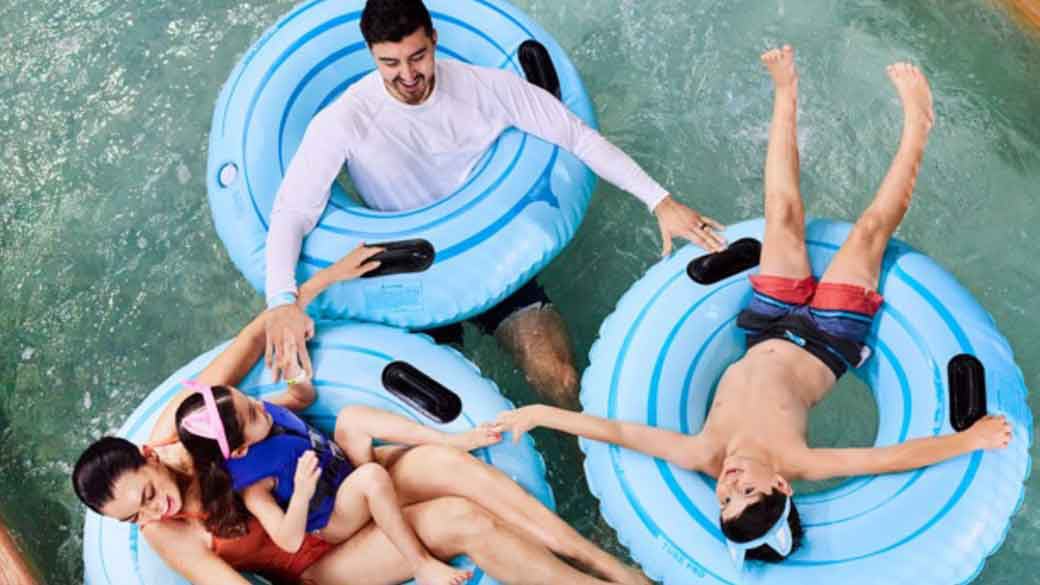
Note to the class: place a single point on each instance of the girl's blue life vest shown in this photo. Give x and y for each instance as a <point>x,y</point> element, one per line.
<point>277,455</point>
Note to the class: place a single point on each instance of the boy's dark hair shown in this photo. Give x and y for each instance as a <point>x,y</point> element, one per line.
<point>757,519</point>
<point>389,21</point>
<point>225,513</point>
<point>100,466</point>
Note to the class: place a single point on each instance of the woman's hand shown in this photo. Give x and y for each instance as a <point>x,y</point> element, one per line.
<point>990,432</point>
<point>357,262</point>
<point>676,220</point>
<point>518,422</point>
<point>307,475</point>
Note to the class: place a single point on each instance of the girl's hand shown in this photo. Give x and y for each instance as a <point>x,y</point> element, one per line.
<point>518,422</point>
<point>354,264</point>
<point>307,474</point>
<point>990,432</point>
<point>482,436</point>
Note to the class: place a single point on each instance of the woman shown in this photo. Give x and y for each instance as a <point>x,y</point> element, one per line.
<point>155,488</point>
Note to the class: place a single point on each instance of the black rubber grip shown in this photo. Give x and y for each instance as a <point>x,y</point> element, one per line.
<point>429,396</point>
<point>738,257</point>
<point>967,379</point>
<point>538,66</point>
<point>402,257</point>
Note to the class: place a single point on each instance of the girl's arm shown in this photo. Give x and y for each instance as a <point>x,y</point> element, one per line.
<point>358,426</point>
<point>991,432</point>
<point>686,451</point>
<point>186,550</point>
<point>286,528</point>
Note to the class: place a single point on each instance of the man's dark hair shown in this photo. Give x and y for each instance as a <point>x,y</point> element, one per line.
<point>757,519</point>
<point>100,466</point>
<point>389,21</point>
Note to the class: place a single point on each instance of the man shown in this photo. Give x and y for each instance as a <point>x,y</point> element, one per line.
<point>801,337</point>
<point>410,133</point>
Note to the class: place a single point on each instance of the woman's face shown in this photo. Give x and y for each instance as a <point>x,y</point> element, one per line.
<point>148,494</point>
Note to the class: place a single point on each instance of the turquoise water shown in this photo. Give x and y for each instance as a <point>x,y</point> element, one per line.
<point>111,275</point>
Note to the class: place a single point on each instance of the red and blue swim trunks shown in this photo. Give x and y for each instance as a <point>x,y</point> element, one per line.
<point>829,320</point>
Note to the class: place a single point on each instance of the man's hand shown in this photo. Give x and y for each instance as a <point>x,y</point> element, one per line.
<point>677,220</point>
<point>354,264</point>
<point>990,432</point>
<point>288,328</point>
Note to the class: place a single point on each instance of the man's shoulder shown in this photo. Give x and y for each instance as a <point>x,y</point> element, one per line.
<point>356,104</point>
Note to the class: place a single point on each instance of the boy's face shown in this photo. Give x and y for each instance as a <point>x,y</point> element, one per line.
<point>743,482</point>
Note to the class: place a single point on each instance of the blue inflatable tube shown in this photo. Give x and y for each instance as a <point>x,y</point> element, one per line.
<point>349,360</point>
<point>663,350</point>
<point>519,208</point>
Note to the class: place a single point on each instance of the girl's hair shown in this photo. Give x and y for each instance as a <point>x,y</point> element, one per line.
<point>100,466</point>
<point>225,513</point>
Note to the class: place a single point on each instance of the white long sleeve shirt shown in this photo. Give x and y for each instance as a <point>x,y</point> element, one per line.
<point>402,156</point>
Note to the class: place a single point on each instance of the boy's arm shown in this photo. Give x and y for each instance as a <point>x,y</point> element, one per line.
<point>991,432</point>
<point>686,451</point>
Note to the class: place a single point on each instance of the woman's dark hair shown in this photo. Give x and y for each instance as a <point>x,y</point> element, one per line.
<point>757,519</point>
<point>100,466</point>
<point>389,21</point>
<point>226,515</point>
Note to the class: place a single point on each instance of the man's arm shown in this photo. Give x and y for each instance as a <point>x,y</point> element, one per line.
<point>686,451</point>
<point>301,198</point>
<point>536,111</point>
<point>991,432</point>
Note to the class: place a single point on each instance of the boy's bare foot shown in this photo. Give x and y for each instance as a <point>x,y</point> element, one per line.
<point>915,94</point>
<point>780,63</point>
<point>434,572</point>
<point>476,438</point>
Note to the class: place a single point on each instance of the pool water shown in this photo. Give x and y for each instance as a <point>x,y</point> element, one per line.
<point>111,275</point>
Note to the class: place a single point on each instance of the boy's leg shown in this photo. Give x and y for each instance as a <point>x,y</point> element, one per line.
<point>783,252</point>
<point>858,262</point>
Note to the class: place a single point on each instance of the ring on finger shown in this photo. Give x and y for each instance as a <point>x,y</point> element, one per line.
<point>704,225</point>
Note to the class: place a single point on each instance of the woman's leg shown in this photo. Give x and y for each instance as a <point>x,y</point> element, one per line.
<point>449,527</point>
<point>431,471</point>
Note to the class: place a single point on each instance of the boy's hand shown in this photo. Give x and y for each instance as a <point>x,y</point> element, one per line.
<point>518,421</point>
<point>354,264</point>
<point>990,432</point>
<point>307,475</point>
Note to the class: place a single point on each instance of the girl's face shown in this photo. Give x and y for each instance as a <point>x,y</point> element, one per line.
<point>145,495</point>
<point>252,417</point>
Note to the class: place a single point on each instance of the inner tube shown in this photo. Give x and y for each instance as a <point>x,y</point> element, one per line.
<point>352,364</point>
<point>519,208</point>
<point>663,350</point>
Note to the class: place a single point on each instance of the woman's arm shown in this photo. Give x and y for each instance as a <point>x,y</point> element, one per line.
<point>991,432</point>
<point>686,451</point>
<point>185,549</point>
<point>289,527</point>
